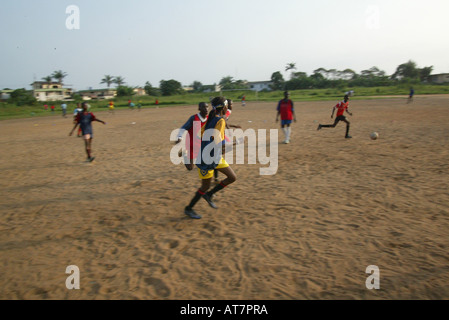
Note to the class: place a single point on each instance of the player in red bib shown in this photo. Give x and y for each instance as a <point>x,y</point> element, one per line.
<point>341,107</point>
<point>286,110</point>
<point>193,140</point>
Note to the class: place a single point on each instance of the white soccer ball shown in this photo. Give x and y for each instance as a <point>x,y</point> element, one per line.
<point>374,136</point>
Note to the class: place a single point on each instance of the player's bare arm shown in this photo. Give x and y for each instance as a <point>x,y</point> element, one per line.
<point>71,132</point>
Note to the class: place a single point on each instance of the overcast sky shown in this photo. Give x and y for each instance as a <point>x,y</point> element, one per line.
<point>206,40</point>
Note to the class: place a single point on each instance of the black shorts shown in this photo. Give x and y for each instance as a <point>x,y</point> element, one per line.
<point>340,118</point>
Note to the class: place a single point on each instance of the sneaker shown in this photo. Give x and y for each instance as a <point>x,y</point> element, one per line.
<point>91,159</point>
<point>348,137</point>
<point>208,198</point>
<point>319,127</point>
<point>191,213</point>
<point>287,141</point>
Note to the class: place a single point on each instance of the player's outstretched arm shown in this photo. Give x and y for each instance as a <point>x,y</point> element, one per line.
<point>71,132</point>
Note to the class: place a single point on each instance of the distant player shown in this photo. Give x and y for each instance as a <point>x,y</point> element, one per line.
<point>341,107</point>
<point>206,171</point>
<point>410,96</point>
<point>84,119</point>
<point>64,109</point>
<point>286,111</point>
<point>193,140</point>
<point>111,106</point>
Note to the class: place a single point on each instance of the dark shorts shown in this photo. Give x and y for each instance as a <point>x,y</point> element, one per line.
<point>286,122</point>
<point>340,118</point>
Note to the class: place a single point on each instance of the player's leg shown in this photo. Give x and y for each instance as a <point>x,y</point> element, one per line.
<point>205,184</point>
<point>348,124</point>
<point>337,120</point>
<point>89,149</point>
<point>230,178</point>
<point>215,175</point>
<point>289,131</point>
<point>86,147</point>
<point>284,129</point>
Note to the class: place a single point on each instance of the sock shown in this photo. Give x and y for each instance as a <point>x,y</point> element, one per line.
<point>347,130</point>
<point>217,188</point>
<point>195,199</point>
<point>289,131</point>
<point>285,132</point>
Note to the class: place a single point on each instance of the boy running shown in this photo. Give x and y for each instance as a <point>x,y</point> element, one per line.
<point>205,170</point>
<point>85,119</point>
<point>341,107</point>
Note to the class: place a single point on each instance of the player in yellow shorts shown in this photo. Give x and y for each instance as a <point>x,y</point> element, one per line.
<point>206,171</point>
<point>111,106</point>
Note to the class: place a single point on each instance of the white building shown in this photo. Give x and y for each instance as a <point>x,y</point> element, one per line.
<point>50,91</point>
<point>260,85</point>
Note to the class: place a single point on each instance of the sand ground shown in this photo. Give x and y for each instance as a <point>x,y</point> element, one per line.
<point>333,208</point>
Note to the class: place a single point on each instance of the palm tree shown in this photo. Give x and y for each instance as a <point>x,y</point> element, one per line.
<point>119,81</point>
<point>59,75</point>
<point>290,66</point>
<point>47,79</point>
<point>108,80</point>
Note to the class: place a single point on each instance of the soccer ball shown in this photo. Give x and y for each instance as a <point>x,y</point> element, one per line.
<point>374,136</point>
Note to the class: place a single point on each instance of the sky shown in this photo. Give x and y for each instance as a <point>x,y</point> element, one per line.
<point>206,40</point>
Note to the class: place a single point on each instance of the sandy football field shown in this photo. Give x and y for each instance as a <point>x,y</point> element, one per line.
<point>310,231</point>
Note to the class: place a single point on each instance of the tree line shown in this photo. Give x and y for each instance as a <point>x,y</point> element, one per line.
<point>321,78</point>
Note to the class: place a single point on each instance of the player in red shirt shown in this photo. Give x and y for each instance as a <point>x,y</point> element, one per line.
<point>286,110</point>
<point>341,107</point>
<point>193,141</point>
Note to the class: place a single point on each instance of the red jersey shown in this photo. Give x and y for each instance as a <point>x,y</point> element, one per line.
<point>341,107</point>
<point>193,144</point>
<point>285,107</point>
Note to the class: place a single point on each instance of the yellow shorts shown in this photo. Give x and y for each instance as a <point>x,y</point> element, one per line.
<point>208,174</point>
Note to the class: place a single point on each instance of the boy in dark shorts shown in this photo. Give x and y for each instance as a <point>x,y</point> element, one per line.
<point>85,119</point>
<point>341,107</point>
